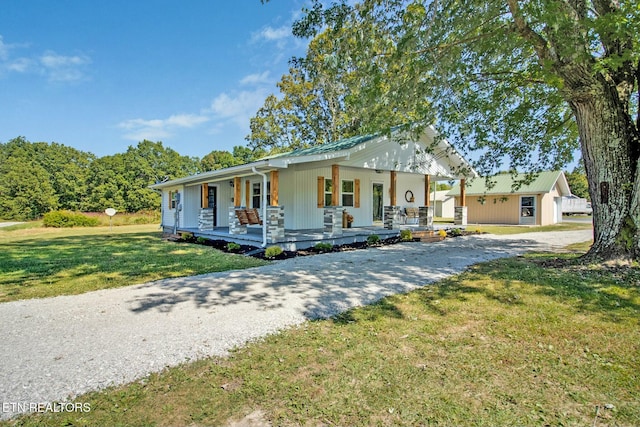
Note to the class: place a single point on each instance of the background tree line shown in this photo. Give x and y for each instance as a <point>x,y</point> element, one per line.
<point>38,177</point>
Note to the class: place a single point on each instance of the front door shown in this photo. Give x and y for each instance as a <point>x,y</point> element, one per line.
<point>212,203</point>
<point>377,201</point>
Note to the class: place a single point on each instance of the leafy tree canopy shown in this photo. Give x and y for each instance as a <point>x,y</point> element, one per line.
<point>521,84</point>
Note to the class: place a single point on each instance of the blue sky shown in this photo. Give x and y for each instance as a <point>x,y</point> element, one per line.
<point>100,76</point>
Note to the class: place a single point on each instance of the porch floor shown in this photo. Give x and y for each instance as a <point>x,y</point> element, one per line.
<point>301,239</point>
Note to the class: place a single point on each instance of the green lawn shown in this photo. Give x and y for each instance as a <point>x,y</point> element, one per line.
<point>508,342</point>
<point>518,229</point>
<point>40,262</point>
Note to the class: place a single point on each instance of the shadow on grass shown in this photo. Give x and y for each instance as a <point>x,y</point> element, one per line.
<point>586,289</point>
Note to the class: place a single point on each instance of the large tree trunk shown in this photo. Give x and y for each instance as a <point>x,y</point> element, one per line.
<point>608,139</point>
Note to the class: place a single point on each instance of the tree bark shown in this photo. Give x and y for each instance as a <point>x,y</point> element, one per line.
<point>608,139</point>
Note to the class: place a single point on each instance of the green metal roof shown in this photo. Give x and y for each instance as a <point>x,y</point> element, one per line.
<point>329,147</point>
<point>543,183</point>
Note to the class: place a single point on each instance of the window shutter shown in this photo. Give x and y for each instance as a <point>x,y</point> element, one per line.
<point>170,199</point>
<point>356,193</point>
<point>321,191</point>
<point>205,195</point>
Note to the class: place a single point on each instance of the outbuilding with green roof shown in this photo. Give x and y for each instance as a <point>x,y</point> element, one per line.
<point>512,199</point>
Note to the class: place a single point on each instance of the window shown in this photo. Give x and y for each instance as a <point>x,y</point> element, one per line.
<point>328,188</point>
<point>347,193</point>
<point>174,199</point>
<point>527,206</point>
<point>256,193</point>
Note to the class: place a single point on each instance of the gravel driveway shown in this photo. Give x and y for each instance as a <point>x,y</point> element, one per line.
<point>57,348</point>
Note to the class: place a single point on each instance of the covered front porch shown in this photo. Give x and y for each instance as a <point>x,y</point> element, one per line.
<point>303,239</point>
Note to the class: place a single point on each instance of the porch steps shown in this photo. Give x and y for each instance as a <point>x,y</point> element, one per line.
<point>426,236</point>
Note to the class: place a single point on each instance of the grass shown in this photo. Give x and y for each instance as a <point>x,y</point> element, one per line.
<point>518,229</point>
<point>42,262</point>
<point>508,342</point>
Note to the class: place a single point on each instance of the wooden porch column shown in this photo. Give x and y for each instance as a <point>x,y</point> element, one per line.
<point>392,190</point>
<point>335,188</point>
<point>237,191</point>
<point>427,190</point>
<point>274,188</point>
<point>463,193</point>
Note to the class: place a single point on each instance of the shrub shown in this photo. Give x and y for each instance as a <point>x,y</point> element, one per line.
<point>272,251</point>
<point>405,235</point>
<point>373,239</point>
<point>455,232</point>
<point>442,233</point>
<point>201,240</point>
<point>233,247</point>
<point>61,219</point>
<point>323,247</point>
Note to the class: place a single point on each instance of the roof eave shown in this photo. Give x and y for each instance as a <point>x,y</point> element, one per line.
<point>209,175</point>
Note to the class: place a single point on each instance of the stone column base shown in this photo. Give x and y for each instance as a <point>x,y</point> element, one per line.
<point>460,215</point>
<point>234,224</point>
<point>425,217</point>
<point>274,223</point>
<point>333,221</point>
<point>392,217</point>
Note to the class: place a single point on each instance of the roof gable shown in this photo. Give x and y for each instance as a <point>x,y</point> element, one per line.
<point>377,152</point>
<point>398,152</point>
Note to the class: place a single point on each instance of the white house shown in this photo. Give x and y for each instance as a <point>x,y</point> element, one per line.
<point>372,178</point>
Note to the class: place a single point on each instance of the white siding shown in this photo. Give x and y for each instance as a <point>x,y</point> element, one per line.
<point>168,214</point>
<point>191,203</point>
<point>298,194</point>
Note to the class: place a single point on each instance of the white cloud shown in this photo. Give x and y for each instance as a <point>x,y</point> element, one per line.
<point>272,34</point>
<point>238,108</point>
<point>157,129</point>
<point>55,67</point>
<point>19,65</point>
<point>63,68</point>
<point>4,50</point>
<point>254,79</point>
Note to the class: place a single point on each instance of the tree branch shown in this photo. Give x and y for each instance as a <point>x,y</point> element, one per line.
<point>538,42</point>
<point>499,75</point>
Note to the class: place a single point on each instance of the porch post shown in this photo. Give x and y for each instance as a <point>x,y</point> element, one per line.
<point>275,214</point>
<point>274,188</point>
<point>335,188</point>
<point>393,190</point>
<point>427,190</point>
<point>237,190</point>
<point>461,211</point>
